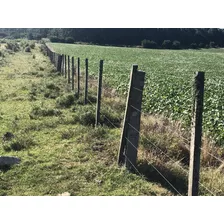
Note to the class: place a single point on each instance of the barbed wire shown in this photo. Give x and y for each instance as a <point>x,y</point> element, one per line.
<point>156,169</point>
<point>176,162</point>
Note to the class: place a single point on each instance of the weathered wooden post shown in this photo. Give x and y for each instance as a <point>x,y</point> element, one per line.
<point>65,66</point>
<point>62,64</point>
<point>69,78</point>
<point>73,74</point>
<point>86,82</point>
<point>78,78</point>
<point>59,64</point>
<point>130,133</point>
<point>99,91</point>
<point>196,134</point>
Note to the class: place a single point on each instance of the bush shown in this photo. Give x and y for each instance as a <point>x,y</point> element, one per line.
<point>54,39</point>
<point>149,44</point>
<point>51,91</point>
<point>32,45</point>
<point>27,49</point>
<point>176,44</point>
<point>193,46</point>
<point>69,40</point>
<point>212,44</point>
<point>21,141</point>
<point>201,45</point>
<point>66,100</point>
<point>38,111</point>
<point>13,46</point>
<point>30,36</point>
<point>167,44</point>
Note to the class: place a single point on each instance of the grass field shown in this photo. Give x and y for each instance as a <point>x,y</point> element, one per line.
<point>57,153</point>
<point>168,79</point>
<point>61,151</point>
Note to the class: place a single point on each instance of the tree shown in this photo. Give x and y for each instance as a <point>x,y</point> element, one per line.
<point>167,44</point>
<point>176,44</point>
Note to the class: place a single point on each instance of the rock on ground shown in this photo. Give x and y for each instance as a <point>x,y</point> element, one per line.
<point>9,160</point>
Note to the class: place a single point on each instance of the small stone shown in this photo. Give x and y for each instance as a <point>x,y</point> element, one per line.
<point>65,194</point>
<point>9,160</point>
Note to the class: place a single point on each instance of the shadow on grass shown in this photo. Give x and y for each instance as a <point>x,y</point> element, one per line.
<point>176,177</point>
<point>4,168</point>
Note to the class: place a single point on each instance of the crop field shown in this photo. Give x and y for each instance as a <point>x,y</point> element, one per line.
<point>169,74</point>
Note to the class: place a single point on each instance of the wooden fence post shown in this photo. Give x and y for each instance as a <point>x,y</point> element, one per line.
<point>73,74</point>
<point>130,133</point>
<point>69,79</point>
<point>86,82</point>
<point>62,64</point>
<point>196,134</point>
<point>99,93</point>
<point>59,64</point>
<point>65,66</point>
<point>78,80</point>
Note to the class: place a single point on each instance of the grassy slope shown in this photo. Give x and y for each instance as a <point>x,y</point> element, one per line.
<point>58,155</point>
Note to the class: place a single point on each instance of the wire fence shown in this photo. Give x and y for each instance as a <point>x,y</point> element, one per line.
<point>108,92</point>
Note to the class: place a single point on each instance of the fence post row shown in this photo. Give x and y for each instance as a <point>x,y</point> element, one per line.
<point>196,134</point>
<point>130,133</point>
<point>99,91</point>
<point>86,82</point>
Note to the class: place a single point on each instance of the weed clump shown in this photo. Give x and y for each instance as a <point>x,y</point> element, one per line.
<point>86,116</point>
<point>19,142</point>
<point>38,111</point>
<point>51,90</point>
<point>65,101</point>
<point>27,49</point>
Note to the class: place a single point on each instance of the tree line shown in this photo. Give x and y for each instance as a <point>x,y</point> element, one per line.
<point>168,38</point>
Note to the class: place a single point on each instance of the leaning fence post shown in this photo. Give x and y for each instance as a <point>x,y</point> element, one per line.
<point>196,134</point>
<point>69,80</point>
<point>73,72</point>
<point>98,103</point>
<point>130,133</point>
<point>86,82</point>
<point>78,78</point>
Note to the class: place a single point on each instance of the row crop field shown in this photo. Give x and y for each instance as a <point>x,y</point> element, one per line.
<point>169,73</point>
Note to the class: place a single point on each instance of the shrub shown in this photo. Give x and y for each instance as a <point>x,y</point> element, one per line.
<point>51,91</point>
<point>21,141</point>
<point>167,44</point>
<point>69,40</point>
<point>38,111</point>
<point>212,44</point>
<point>176,44</point>
<point>201,45</point>
<point>66,100</point>
<point>32,45</point>
<point>54,39</point>
<point>27,49</point>
<point>193,46</point>
<point>30,36</point>
<point>13,46</point>
<point>149,44</point>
